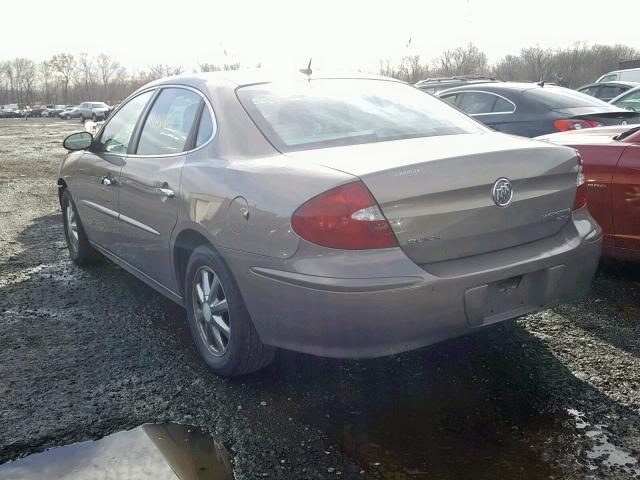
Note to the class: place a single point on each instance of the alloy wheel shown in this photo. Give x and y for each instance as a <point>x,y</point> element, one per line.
<point>211,311</point>
<point>72,227</point>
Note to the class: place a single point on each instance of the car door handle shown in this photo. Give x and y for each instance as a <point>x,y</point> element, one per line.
<point>165,192</point>
<point>107,182</point>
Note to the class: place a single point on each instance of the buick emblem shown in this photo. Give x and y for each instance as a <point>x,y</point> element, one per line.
<point>502,192</point>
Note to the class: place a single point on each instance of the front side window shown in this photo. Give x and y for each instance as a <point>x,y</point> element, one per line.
<point>167,127</point>
<point>117,132</point>
<point>609,78</point>
<point>326,113</point>
<point>592,91</point>
<point>451,98</point>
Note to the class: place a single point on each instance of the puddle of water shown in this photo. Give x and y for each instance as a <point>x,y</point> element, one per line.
<point>152,451</point>
<point>604,451</point>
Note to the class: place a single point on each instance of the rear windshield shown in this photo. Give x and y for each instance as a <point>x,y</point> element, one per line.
<point>559,97</point>
<point>309,114</point>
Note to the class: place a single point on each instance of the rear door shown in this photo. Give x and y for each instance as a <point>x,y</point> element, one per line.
<point>150,181</point>
<point>96,186</point>
<point>626,200</point>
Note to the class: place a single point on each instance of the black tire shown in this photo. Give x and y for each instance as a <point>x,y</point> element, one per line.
<point>94,117</point>
<point>80,250</point>
<point>244,351</point>
<point>81,118</point>
<point>67,117</point>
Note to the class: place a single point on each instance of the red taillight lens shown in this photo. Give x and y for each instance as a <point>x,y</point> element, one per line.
<point>346,217</point>
<point>574,124</point>
<point>581,187</point>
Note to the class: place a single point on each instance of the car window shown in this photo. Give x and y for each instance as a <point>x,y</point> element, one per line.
<point>334,112</point>
<point>610,92</point>
<point>117,132</point>
<point>205,129</point>
<point>609,78</point>
<point>475,103</point>
<point>630,101</point>
<point>169,122</point>
<point>559,97</point>
<point>503,105</point>
<point>450,98</point>
<point>99,105</point>
<point>593,91</point>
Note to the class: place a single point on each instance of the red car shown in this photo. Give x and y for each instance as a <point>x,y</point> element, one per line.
<point>611,166</point>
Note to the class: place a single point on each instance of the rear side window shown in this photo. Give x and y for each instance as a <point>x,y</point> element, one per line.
<point>451,98</point>
<point>610,92</point>
<point>169,122</point>
<point>117,132</point>
<point>334,112</point>
<point>475,103</point>
<point>559,97</point>
<point>503,105</point>
<point>205,129</point>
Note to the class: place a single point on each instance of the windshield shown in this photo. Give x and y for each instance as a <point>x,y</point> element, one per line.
<point>559,97</point>
<point>326,113</point>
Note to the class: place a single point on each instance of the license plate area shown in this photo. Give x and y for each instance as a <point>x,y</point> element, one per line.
<point>513,296</point>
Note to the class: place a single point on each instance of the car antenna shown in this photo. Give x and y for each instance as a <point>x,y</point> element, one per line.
<point>307,71</point>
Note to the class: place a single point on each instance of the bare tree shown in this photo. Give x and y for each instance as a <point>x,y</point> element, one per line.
<point>107,69</point>
<point>161,71</point>
<point>462,61</point>
<point>88,72</point>
<point>65,65</point>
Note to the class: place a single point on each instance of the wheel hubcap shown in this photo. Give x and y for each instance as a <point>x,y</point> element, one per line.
<point>72,226</point>
<point>211,311</point>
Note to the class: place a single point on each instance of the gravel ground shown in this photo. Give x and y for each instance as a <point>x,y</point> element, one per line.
<point>88,352</point>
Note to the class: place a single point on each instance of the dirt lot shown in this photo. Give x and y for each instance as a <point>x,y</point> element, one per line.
<point>87,352</point>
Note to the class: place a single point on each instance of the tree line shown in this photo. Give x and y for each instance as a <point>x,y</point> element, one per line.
<point>571,67</point>
<point>67,79</point>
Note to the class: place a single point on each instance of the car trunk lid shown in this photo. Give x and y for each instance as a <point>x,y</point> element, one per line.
<point>436,192</point>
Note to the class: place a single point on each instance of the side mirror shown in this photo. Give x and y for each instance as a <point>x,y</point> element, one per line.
<point>78,141</point>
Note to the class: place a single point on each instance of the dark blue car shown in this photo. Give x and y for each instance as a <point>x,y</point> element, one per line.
<point>531,109</point>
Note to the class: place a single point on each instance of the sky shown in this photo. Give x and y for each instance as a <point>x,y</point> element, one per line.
<point>338,34</point>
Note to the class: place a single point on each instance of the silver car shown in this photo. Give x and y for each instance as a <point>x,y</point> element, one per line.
<point>342,217</point>
<point>93,110</point>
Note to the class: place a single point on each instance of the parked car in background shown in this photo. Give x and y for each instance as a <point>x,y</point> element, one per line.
<point>434,85</point>
<point>390,219</point>
<point>5,113</point>
<point>630,100</point>
<point>629,75</point>
<point>36,112</point>
<point>69,113</point>
<point>611,164</point>
<point>533,109</point>
<point>52,112</point>
<point>93,110</point>
<point>607,91</point>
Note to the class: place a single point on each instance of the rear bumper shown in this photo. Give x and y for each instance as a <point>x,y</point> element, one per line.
<point>407,306</point>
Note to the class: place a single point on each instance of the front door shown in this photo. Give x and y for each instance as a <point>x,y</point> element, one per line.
<point>150,183</point>
<point>626,200</point>
<point>96,189</point>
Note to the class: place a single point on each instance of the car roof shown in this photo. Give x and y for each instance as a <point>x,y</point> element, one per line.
<point>239,78</point>
<point>457,78</point>
<point>614,83</point>
<point>500,86</point>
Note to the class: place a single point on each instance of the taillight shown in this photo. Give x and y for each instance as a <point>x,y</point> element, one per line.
<point>346,217</point>
<point>565,125</point>
<point>581,187</point>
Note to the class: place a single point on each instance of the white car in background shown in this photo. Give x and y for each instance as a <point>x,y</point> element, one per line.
<point>93,110</point>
